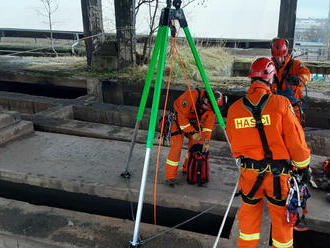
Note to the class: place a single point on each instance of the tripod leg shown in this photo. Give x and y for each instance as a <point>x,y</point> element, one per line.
<point>218,114</point>
<point>151,131</point>
<point>204,77</point>
<point>126,173</point>
<point>144,99</point>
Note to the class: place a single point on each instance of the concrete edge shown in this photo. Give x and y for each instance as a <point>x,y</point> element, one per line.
<point>64,228</point>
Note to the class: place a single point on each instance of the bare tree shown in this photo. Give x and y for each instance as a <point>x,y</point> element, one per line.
<point>153,11</point>
<point>186,3</point>
<point>125,12</point>
<point>49,8</point>
<point>152,28</point>
<point>126,37</point>
<point>93,26</point>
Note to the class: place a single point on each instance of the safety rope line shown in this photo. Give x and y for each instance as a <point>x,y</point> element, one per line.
<point>174,51</point>
<point>44,48</point>
<point>189,88</point>
<point>216,242</point>
<point>27,51</point>
<point>176,226</point>
<point>84,38</point>
<point>128,199</point>
<point>161,133</point>
<point>88,37</point>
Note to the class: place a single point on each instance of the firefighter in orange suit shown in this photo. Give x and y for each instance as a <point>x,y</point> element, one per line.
<point>291,77</point>
<point>265,134</point>
<point>186,124</point>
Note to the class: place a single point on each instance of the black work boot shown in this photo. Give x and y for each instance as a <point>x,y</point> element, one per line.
<point>301,225</point>
<point>171,182</point>
<point>327,197</point>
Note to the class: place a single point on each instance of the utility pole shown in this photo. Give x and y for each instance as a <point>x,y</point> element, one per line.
<point>287,21</point>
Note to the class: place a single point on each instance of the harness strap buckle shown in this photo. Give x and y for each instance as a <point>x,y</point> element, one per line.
<point>276,170</point>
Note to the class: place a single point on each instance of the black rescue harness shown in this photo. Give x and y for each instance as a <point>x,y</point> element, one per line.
<point>279,84</point>
<point>276,167</point>
<point>192,122</point>
<point>284,75</point>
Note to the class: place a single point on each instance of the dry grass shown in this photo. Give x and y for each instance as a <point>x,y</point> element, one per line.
<point>61,66</point>
<point>317,85</point>
<point>216,62</point>
<point>60,63</point>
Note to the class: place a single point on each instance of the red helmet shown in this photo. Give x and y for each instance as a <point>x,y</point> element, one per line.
<point>280,47</point>
<point>262,68</point>
<point>219,99</point>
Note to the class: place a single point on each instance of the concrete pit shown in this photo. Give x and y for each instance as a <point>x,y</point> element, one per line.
<point>72,163</point>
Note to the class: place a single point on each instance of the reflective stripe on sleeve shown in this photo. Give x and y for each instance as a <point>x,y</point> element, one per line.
<point>302,164</point>
<point>249,237</point>
<point>173,163</point>
<point>183,127</point>
<point>207,130</point>
<point>282,245</point>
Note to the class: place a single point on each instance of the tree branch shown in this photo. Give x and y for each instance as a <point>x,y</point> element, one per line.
<point>141,2</point>
<point>188,2</point>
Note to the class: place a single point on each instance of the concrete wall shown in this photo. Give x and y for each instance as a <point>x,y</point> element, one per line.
<point>129,93</point>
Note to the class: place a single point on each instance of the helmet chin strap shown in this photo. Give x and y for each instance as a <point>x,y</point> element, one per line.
<point>277,64</point>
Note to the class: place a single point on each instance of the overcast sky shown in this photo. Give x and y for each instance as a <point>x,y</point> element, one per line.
<point>252,19</point>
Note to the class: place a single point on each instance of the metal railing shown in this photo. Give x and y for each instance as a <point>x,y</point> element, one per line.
<point>39,33</point>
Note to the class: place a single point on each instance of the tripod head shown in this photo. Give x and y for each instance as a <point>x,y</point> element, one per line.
<point>169,14</point>
<point>176,3</point>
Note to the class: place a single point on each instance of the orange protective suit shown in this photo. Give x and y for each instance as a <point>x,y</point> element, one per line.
<point>186,124</point>
<point>282,81</point>
<point>286,140</point>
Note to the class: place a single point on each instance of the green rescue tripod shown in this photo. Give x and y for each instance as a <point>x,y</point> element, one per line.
<point>158,56</point>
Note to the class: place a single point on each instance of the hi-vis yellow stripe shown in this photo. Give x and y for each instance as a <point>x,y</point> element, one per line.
<point>249,237</point>
<point>207,130</point>
<point>302,164</point>
<point>282,245</point>
<point>247,122</point>
<point>173,163</point>
<point>183,127</point>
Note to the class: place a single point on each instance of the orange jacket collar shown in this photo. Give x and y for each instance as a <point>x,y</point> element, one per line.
<point>259,86</point>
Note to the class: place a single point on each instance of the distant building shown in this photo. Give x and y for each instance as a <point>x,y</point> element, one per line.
<point>311,29</point>
<point>312,39</point>
<point>326,43</point>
